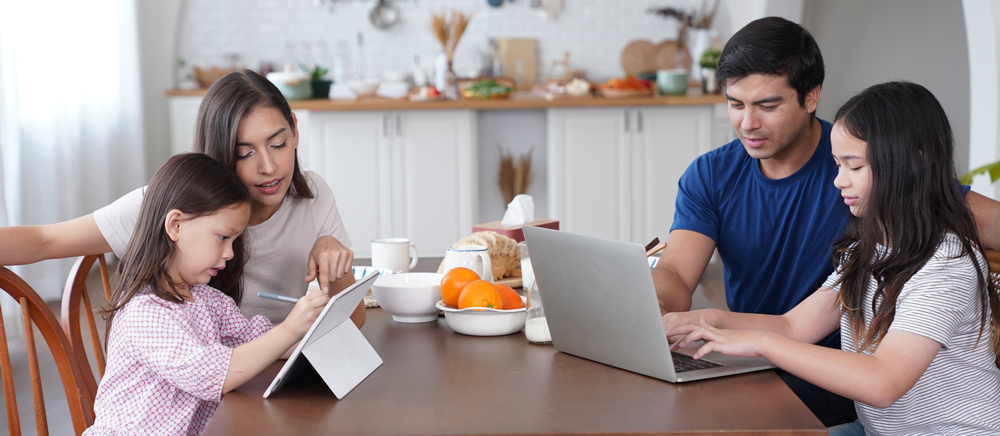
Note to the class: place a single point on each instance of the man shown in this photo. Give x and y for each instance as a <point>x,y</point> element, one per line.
<point>767,200</point>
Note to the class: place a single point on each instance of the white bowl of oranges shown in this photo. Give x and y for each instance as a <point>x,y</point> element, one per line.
<point>480,308</point>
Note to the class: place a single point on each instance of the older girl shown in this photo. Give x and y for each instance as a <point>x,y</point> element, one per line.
<point>910,292</point>
<point>297,234</point>
<point>176,345</point>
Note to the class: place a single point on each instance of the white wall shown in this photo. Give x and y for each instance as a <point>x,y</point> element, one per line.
<point>982,19</point>
<point>157,43</point>
<point>592,31</point>
<point>923,41</point>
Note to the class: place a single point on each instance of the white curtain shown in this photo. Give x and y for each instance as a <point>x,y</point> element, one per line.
<point>70,115</point>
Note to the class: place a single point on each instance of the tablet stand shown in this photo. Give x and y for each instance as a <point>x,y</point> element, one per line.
<point>342,357</point>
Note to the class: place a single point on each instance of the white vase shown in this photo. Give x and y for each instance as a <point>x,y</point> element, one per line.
<point>698,40</point>
<point>709,84</point>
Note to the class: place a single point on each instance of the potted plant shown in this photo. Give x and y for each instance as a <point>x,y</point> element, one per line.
<point>993,169</point>
<point>317,81</point>
<point>709,62</point>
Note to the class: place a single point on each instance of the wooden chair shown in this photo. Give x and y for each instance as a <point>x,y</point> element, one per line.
<point>36,312</point>
<point>74,297</point>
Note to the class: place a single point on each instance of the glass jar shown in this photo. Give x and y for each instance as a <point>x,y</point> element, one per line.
<point>536,329</point>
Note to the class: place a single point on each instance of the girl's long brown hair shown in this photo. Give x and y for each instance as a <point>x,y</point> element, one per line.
<point>228,101</point>
<point>913,202</point>
<point>197,185</point>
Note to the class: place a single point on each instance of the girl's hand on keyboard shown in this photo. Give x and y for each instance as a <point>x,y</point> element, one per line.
<point>746,343</point>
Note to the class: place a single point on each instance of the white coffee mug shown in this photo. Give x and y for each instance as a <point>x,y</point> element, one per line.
<point>474,257</point>
<point>395,254</point>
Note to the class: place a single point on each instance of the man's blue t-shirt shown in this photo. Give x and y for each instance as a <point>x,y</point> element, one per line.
<point>775,237</point>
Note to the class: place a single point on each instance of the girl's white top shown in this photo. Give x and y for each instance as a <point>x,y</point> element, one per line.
<point>167,363</point>
<point>279,247</point>
<point>960,391</point>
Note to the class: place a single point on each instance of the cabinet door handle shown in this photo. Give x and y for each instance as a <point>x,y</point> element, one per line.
<point>638,120</point>
<point>385,125</point>
<point>626,121</point>
<point>399,126</point>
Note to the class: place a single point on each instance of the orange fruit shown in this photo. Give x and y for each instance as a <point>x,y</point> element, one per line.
<point>510,298</point>
<point>480,293</point>
<point>453,283</point>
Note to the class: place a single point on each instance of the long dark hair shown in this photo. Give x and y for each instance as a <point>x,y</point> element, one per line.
<point>773,46</point>
<point>197,185</point>
<point>228,101</point>
<point>913,202</point>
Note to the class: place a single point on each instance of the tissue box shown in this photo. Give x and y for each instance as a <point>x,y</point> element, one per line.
<point>514,232</point>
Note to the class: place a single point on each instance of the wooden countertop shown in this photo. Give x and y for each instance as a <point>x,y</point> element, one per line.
<point>518,100</point>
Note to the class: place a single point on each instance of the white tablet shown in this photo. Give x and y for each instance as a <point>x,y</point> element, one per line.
<point>334,346</point>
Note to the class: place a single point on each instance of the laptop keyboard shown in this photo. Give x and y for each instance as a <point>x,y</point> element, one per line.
<point>684,363</point>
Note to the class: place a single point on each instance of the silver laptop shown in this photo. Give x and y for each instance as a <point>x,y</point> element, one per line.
<point>600,304</point>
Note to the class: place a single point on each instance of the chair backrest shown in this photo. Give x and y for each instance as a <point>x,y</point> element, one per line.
<point>75,297</point>
<point>993,259</point>
<point>36,313</point>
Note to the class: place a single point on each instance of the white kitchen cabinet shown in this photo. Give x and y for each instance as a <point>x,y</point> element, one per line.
<point>396,173</point>
<point>613,172</point>
<point>183,114</point>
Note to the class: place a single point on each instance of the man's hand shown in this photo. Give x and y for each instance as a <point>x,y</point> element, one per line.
<point>330,260</point>
<point>679,324</point>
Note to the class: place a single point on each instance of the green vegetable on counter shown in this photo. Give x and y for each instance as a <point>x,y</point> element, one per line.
<point>487,87</point>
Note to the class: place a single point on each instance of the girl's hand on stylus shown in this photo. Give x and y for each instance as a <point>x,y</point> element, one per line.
<point>744,343</point>
<point>329,260</point>
<point>305,312</point>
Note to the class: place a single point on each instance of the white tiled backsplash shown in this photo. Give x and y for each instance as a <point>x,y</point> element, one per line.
<point>325,32</point>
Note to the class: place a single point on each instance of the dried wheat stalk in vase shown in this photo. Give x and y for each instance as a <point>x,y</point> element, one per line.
<point>507,178</point>
<point>439,26</point>
<point>458,23</point>
<point>522,173</point>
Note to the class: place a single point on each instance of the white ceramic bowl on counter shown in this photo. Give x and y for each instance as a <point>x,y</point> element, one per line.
<point>484,321</point>
<point>409,297</point>
<point>364,88</point>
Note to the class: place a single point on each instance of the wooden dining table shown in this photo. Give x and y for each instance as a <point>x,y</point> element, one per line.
<point>435,381</point>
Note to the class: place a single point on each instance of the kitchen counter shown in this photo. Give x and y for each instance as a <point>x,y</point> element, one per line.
<point>518,100</point>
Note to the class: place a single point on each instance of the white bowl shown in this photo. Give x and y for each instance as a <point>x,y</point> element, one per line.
<point>396,76</point>
<point>364,88</point>
<point>484,321</point>
<point>409,297</point>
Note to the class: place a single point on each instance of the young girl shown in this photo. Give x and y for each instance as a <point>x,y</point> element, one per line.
<point>175,345</point>
<point>296,230</point>
<point>918,316</point>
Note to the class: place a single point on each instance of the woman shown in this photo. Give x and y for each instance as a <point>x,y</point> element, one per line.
<point>295,230</point>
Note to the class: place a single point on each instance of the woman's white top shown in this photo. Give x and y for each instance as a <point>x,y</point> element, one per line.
<point>279,247</point>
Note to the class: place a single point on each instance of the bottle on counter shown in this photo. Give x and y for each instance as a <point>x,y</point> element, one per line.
<point>440,70</point>
<point>536,329</point>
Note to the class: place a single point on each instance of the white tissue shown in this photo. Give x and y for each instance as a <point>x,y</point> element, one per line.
<point>521,210</point>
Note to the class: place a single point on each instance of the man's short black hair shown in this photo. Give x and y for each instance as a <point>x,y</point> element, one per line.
<point>773,46</point>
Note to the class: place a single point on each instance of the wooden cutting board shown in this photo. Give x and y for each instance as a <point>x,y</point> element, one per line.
<point>637,57</point>
<point>665,55</point>
<point>518,59</point>
<point>514,282</point>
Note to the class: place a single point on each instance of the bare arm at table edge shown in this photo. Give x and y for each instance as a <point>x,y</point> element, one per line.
<point>22,245</point>
<point>986,212</point>
<point>680,268</point>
